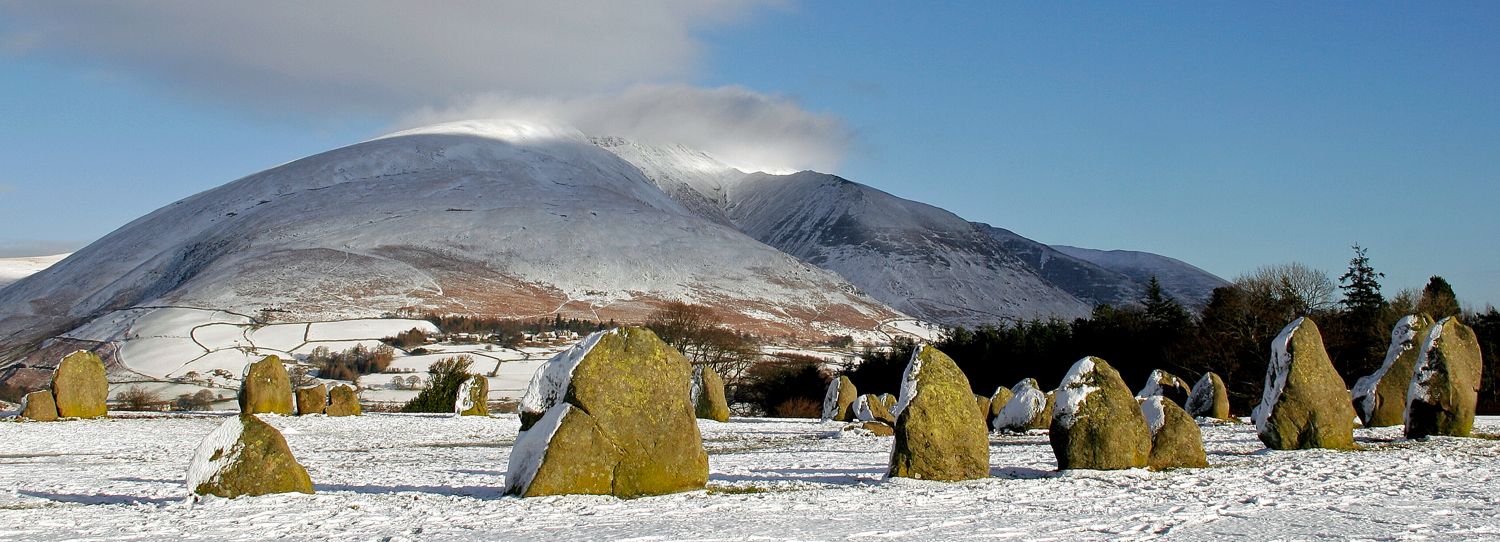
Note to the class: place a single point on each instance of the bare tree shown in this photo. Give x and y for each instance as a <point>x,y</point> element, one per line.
<point>1296,286</point>
<point>138,398</point>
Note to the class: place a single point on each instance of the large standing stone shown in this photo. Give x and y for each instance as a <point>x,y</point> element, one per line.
<point>245,456</point>
<point>616,420</point>
<point>997,403</point>
<point>869,408</point>
<point>1210,399</point>
<point>939,433</point>
<point>343,400</point>
<point>1096,423</point>
<point>982,404</point>
<point>709,402</point>
<point>312,399</point>
<point>38,406</point>
<point>266,388</point>
<point>1445,385</point>
<point>1176,441</point>
<point>79,387</point>
<point>838,401</point>
<point>473,397</point>
<point>1166,385</point>
<point>1028,408</point>
<point>1304,404</point>
<point>1380,397</point>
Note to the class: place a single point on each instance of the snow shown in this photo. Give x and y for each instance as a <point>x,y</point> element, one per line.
<point>465,399</point>
<point>551,379</point>
<point>909,381</point>
<point>1155,412</point>
<point>14,269</point>
<point>424,477</point>
<point>831,399</point>
<point>695,388</point>
<point>1075,388</point>
<point>531,449</point>
<point>1202,392</point>
<point>370,328</point>
<point>1421,378</point>
<point>1276,374</point>
<point>1153,384</point>
<point>862,409</point>
<point>1026,400</point>
<point>205,467</point>
<point>1403,336</point>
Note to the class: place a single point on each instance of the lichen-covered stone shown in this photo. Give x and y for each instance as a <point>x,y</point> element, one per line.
<point>870,408</point>
<point>1445,384</point>
<point>874,428</point>
<point>1380,397</point>
<point>245,457</point>
<point>982,404</point>
<point>838,401</point>
<point>312,399</point>
<point>38,406</point>
<point>266,388</point>
<point>708,394</point>
<point>343,400</point>
<point>1210,399</point>
<point>1176,441</point>
<point>1166,385</point>
<point>473,397</point>
<point>1096,422</point>
<point>1304,403</point>
<point>889,400</point>
<point>1028,408</point>
<point>940,435</point>
<point>623,388</point>
<point>80,387</point>
<point>997,403</point>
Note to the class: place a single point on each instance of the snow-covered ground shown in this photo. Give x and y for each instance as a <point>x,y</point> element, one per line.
<point>14,269</point>
<point>415,477</point>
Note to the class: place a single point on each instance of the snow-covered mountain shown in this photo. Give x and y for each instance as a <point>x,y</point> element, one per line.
<point>489,217</point>
<point>1179,279</point>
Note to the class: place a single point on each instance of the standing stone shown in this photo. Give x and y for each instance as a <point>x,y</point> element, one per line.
<point>1176,441</point>
<point>312,399</point>
<point>1210,399</point>
<point>709,402</point>
<point>1166,385</point>
<point>38,406</point>
<point>616,420</point>
<point>1096,423</point>
<point>79,387</point>
<point>997,403</point>
<point>1304,404</point>
<point>245,456</point>
<point>838,401</point>
<point>939,433</point>
<point>343,400</point>
<point>1445,385</point>
<point>869,408</point>
<point>982,404</point>
<point>1380,398</point>
<point>1028,408</point>
<point>473,397</point>
<point>266,388</point>
<point>889,400</point>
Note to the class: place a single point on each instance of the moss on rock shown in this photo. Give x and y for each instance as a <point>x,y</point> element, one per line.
<point>266,388</point>
<point>874,428</point>
<point>870,408</point>
<point>312,399</point>
<point>997,403</point>
<point>838,401</point>
<point>343,400</point>
<point>1166,385</point>
<point>1380,398</point>
<point>1210,399</point>
<point>38,406</point>
<point>246,457</point>
<point>1176,441</point>
<point>79,386</point>
<point>473,397</point>
<point>1304,404</point>
<point>1096,422</point>
<point>940,435</point>
<point>1444,386</point>
<point>708,387</point>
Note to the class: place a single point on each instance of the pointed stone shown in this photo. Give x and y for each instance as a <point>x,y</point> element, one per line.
<point>1028,408</point>
<point>1096,422</point>
<point>79,386</point>
<point>245,457</point>
<point>838,401</point>
<point>1445,384</point>
<point>869,408</point>
<point>1176,441</point>
<point>473,397</point>
<point>312,399</point>
<point>997,403</point>
<point>1210,399</point>
<point>38,406</point>
<point>266,388</point>
<point>709,402</point>
<point>1304,403</point>
<point>1380,397</point>
<point>343,400</point>
<point>939,433</point>
<point>1166,385</point>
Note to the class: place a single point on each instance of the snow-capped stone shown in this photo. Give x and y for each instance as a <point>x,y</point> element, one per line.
<point>870,408</point>
<point>343,400</point>
<point>80,387</point>
<point>998,401</point>
<point>312,399</point>
<point>245,456</point>
<point>1096,422</point>
<point>622,423</point>
<point>709,402</point>
<point>1304,403</point>
<point>839,399</point>
<point>551,380</point>
<point>473,397</point>
<point>1028,408</point>
<point>1166,385</point>
<point>889,400</point>
<point>1380,397</point>
<point>939,433</point>
<point>1445,384</point>
<point>1176,441</point>
<point>1210,399</point>
<point>266,388</point>
<point>38,406</point>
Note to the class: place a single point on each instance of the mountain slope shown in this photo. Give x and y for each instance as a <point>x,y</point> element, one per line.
<point>495,218</point>
<point>1178,279</point>
<point>1084,279</point>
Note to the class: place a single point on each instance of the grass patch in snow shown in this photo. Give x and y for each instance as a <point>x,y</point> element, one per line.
<point>714,489</point>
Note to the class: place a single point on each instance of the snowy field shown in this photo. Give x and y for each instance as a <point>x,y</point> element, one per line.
<point>412,477</point>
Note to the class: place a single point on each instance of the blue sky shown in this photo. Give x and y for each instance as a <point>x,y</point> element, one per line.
<point>1228,136</point>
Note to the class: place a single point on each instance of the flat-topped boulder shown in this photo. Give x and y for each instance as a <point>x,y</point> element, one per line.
<point>1445,384</point>
<point>615,418</point>
<point>1166,385</point>
<point>473,397</point>
<point>1210,399</point>
<point>940,435</point>
<point>266,388</point>
<point>1097,423</point>
<point>709,402</point>
<point>38,406</point>
<point>872,428</point>
<point>1380,397</point>
<point>80,387</point>
<point>1304,403</point>
<point>312,399</point>
<point>1176,441</point>
<point>245,456</point>
<point>1028,408</point>
<point>343,400</point>
<point>838,401</point>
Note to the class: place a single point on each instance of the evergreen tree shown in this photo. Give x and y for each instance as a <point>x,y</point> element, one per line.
<point>1357,337</point>
<point>1361,285</point>
<point>1438,299</point>
<point>1161,310</point>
